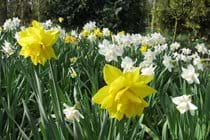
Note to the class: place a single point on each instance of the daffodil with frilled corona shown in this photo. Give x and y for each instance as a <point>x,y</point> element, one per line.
<point>36,43</point>
<point>123,96</point>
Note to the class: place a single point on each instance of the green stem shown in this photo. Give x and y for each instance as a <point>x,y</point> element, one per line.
<point>57,107</point>
<point>175,29</point>
<point>101,134</point>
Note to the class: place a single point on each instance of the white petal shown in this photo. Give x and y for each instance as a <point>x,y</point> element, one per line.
<point>192,106</point>
<point>182,109</point>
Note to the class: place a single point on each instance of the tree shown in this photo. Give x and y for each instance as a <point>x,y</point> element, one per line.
<point>182,15</point>
<point>3,11</point>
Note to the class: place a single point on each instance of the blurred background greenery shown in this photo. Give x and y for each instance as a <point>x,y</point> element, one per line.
<point>166,16</point>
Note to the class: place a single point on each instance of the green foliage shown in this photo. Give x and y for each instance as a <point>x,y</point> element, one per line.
<point>183,16</point>
<point>128,15</point>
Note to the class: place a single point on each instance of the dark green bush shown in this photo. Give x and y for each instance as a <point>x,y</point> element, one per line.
<point>128,15</point>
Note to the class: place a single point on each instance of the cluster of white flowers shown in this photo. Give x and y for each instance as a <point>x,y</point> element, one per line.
<point>122,40</point>
<point>7,48</point>
<point>160,48</point>
<point>127,64</point>
<point>47,24</point>
<point>174,46</point>
<point>173,56</point>
<point>136,39</point>
<point>156,39</point>
<point>11,24</point>
<point>149,57</point>
<point>201,48</point>
<point>153,39</point>
<point>154,45</point>
<point>110,51</point>
<point>91,25</point>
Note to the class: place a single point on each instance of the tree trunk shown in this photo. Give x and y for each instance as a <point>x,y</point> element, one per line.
<point>3,11</point>
<point>153,14</point>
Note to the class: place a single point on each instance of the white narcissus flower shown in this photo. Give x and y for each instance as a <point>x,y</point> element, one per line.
<point>106,32</point>
<point>124,40</point>
<point>186,51</point>
<point>160,48</point>
<point>136,39</point>
<point>127,64</point>
<point>184,103</point>
<point>74,33</point>
<point>197,62</point>
<point>148,70</point>
<point>149,55</point>
<point>110,51</point>
<point>174,46</point>
<point>91,25</point>
<point>7,48</point>
<point>72,114</point>
<point>167,62</point>
<point>47,24</point>
<point>157,39</point>
<point>201,48</point>
<point>92,37</point>
<point>190,75</point>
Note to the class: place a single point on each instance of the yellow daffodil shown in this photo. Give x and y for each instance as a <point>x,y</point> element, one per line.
<point>98,33</point>
<point>123,95</point>
<point>121,33</point>
<point>85,33</point>
<point>73,59</point>
<point>70,39</point>
<point>143,48</point>
<point>60,19</point>
<point>36,43</point>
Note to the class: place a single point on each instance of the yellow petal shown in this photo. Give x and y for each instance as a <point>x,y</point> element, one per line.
<point>111,73</point>
<point>120,93</point>
<point>36,24</point>
<point>145,79</point>
<point>100,95</point>
<point>133,75</point>
<point>118,84</point>
<point>132,97</point>
<point>142,90</point>
<point>51,37</point>
<point>107,102</point>
<point>117,115</point>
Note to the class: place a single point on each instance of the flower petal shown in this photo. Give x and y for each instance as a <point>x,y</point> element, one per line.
<point>145,79</point>
<point>111,73</point>
<point>142,90</point>
<point>100,95</point>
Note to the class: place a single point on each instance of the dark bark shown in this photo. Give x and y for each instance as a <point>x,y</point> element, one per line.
<point>3,11</point>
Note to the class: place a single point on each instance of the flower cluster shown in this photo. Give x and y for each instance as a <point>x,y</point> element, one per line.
<point>11,24</point>
<point>139,57</point>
